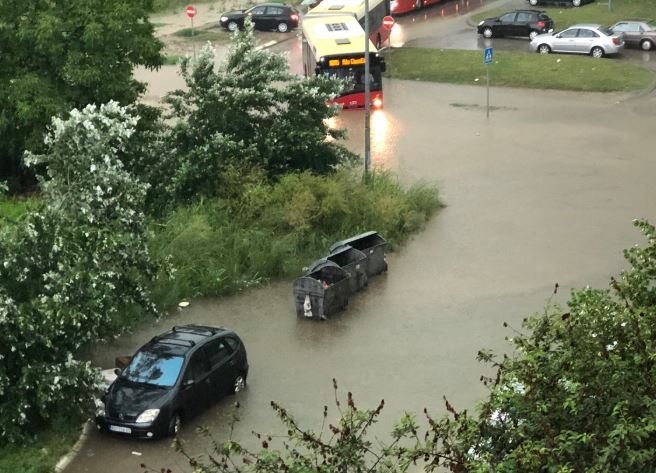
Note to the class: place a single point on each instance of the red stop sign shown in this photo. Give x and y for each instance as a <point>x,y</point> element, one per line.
<point>191,11</point>
<point>388,22</point>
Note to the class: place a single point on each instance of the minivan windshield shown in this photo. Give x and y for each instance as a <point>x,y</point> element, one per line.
<point>154,369</point>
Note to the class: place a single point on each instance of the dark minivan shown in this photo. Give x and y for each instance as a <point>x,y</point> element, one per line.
<point>527,23</point>
<point>173,377</point>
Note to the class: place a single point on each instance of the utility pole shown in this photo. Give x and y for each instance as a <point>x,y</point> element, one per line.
<point>367,93</point>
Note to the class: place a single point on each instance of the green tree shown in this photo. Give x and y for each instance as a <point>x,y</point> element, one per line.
<point>65,54</point>
<point>250,112</point>
<point>71,270</point>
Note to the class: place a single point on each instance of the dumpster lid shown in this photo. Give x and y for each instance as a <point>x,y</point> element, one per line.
<point>320,264</point>
<point>352,239</point>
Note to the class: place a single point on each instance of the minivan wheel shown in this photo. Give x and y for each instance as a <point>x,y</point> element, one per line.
<point>646,45</point>
<point>282,27</point>
<point>597,52</point>
<point>175,424</point>
<point>233,26</point>
<point>487,32</point>
<point>532,34</point>
<point>544,49</point>
<point>239,384</point>
<point>576,3</point>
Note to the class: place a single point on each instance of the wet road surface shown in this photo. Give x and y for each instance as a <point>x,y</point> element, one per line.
<point>542,193</point>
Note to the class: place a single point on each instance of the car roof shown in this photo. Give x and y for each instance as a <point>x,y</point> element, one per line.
<point>585,25</point>
<point>183,338</point>
<point>272,4</point>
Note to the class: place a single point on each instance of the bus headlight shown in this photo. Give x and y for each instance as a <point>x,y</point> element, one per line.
<point>378,102</point>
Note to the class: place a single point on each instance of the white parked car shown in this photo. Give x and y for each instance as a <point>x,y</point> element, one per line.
<point>595,40</point>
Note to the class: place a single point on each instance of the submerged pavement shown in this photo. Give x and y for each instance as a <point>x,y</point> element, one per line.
<point>543,192</point>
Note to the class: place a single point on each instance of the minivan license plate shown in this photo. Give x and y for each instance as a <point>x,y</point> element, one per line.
<point>118,428</point>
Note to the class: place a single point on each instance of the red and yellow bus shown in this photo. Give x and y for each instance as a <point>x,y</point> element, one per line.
<point>333,46</point>
<point>399,7</point>
<point>378,9</point>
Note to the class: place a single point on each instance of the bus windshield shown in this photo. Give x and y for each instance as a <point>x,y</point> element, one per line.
<point>355,77</point>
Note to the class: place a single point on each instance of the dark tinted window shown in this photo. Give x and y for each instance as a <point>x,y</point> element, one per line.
<point>197,366</point>
<point>258,11</point>
<point>508,18</point>
<point>569,33</point>
<point>524,17</point>
<point>217,351</point>
<point>275,11</point>
<point>583,33</point>
<point>153,368</point>
<point>232,342</point>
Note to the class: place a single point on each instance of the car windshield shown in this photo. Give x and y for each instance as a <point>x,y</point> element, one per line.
<point>153,369</point>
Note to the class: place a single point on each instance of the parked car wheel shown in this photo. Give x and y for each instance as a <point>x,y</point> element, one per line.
<point>175,424</point>
<point>544,49</point>
<point>597,52</point>
<point>646,45</point>
<point>576,3</point>
<point>487,32</point>
<point>239,384</point>
<point>533,34</point>
<point>233,26</point>
<point>282,27</point>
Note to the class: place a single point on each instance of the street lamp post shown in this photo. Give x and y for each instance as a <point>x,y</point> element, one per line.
<point>367,93</point>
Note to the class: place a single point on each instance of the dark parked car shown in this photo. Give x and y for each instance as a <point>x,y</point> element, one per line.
<point>265,16</point>
<point>171,378</point>
<point>574,3</point>
<point>528,23</point>
<point>637,33</point>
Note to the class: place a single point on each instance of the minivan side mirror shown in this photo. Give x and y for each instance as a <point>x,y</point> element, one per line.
<point>118,371</point>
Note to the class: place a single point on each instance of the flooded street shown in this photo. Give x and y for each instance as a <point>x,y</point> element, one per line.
<point>543,192</point>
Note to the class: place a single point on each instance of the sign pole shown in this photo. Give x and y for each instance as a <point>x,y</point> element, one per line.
<point>193,40</point>
<point>367,93</point>
<point>191,13</point>
<point>487,73</point>
<point>488,55</point>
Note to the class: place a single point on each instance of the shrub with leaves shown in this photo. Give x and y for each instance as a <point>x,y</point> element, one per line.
<point>250,111</point>
<point>70,270</point>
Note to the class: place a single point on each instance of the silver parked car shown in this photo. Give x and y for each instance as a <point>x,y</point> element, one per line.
<point>637,33</point>
<point>581,39</point>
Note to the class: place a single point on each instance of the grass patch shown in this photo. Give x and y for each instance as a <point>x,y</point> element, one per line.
<point>168,5</point>
<point>158,24</point>
<point>226,245</point>
<point>12,209</point>
<point>512,69</point>
<point>171,60</point>
<point>597,12</point>
<point>42,453</point>
<point>204,35</point>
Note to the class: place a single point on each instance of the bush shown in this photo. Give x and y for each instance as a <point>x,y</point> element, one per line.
<point>224,245</point>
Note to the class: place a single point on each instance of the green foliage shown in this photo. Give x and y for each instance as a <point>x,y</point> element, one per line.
<point>69,53</point>
<point>518,69</point>
<point>250,112</point>
<point>69,269</point>
<point>269,230</point>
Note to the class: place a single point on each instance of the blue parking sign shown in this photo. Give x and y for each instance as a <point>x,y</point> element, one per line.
<point>489,54</point>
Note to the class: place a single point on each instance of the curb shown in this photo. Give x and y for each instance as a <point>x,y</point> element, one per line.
<point>75,449</point>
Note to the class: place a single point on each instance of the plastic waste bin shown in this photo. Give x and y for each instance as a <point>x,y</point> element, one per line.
<point>372,245</point>
<point>354,262</point>
<point>322,291</point>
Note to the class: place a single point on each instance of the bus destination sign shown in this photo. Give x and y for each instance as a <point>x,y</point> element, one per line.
<point>346,61</point>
